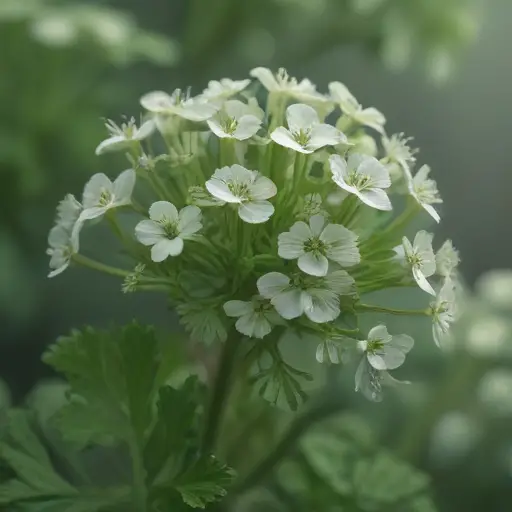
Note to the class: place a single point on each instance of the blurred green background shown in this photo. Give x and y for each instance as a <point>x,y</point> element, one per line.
<point>440,70</point>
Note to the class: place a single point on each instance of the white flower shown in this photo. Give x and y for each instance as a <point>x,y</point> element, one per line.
<point>224,88</point>
<point>316,297</point>
<point>317,243</point>
<point>284,84</point>
<point>248,189</point>
<point>167,229</point>
<point>447,259</point>
<point>383,351</point>
<point>370,381</point>
<point>420,257</point>
<point>363,176</point>
<point>424,190</point>
<point>305,133</point>
<point>122,137</point>
<point>443,311</point>
<point>256,318</point>
<point>178,104</point>
<point>100,194</point>
<point>236,120</point>
<point>63,245</point>
<point>397,149</point>
<point>68,211</point>
<point>370,117</point>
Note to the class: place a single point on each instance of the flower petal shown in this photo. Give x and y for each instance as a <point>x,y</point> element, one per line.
<point>422,281</point>
<point>284,138</point>
<point>157,101</point>
<point>149,232</point>
<point>324,305</point>
<point>93,189</point>
<point>325,135</point>
<point>272,284</point>
<point>376,198</point>
<point>313,264</point>
<point>288,303</point>
<point>263,188</point>
<point>165,248</point>
<point>342,245</point>
<point>266,77</point>
<point>145,129</point>
<point>247,127</point>
<point>255,212</point>
<point>290,246</point>
<point>123,187</point>
<point>237,308</point>
<point>189,221</point>
<point>115,143</point>
<point>254,325</point>
<point>163,211</point>
<point>301,117</point>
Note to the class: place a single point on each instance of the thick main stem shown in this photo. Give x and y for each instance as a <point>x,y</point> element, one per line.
<point>220,392</point>
<point>140,494</point>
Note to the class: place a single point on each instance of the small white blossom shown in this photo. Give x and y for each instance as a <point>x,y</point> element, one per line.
<point>363,176</point>
<point>68,211</point>
<point>317,243</point>
<point>383,351</point>
<point>256,317</point>
<point>443,311</point>
<point>447,260</point>
<point>236,120</point>
<point>370,117</point>
<point>101,195</point>
<point>178,104</point>
<point>420,257</point>
<point>249,189</point>
<point>284,84</point>
<point>397,149</point>
<point>370,381</point>
<point>224,88</point>
<point>63,245</point>
<point>316,297</point>
<point>305,133</point>
<point>424,190</point>
<point>122,137</point>
<point>167,229</point>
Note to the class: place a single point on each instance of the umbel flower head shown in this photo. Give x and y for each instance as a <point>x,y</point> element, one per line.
<point>263,220</point>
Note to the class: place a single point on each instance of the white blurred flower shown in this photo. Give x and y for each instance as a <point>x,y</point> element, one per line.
<point>370,117</point>
<point>447,260</point>
<point>122,137</point>
<point>249,189</point>
<point>224,88</point>
<point>256,317</point>
<point>236,120</point>
<point>316,297</point>
<point>178,104</point>
<point>167,229</point>
<point>54,29</point>
<point>420,257</point>
<point>443,311</point>
<point>284,84</point>
<point>495,287</point>
<point>494,392</point>
<point>305,133</point>
<point>487,336</point>
<point>363,176</point>
<point>101,194</point>
<point>68,211</point>
<point>424,190</point>
<point>317,243</point>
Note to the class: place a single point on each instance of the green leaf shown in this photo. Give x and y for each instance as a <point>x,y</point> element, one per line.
<point>176,423</point>
<point>384,479</point>
<point>204,482</point>
<point>24,453</point>
<point>112,379</point>
<point>203,323</point>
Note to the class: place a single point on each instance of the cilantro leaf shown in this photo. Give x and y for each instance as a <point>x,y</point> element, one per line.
<point>111,374</point>
<point>204,482</point>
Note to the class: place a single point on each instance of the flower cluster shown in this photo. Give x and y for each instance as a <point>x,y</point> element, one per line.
<point>259,221</point>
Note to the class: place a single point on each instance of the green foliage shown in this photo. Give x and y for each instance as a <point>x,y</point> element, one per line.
<point>117,397</point>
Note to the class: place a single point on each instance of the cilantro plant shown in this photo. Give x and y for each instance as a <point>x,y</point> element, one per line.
<point>260,211</point>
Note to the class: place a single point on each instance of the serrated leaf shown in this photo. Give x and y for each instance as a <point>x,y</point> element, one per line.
<point>204,482</point>
<point>112,374</point>
<point>175,424</point>
<point>203,323</point>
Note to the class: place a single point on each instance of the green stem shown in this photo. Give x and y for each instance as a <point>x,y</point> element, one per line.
<point>366,308</point>
<point>264,468</point>
<point>100,267</point>
<point>220,392</point>
<point>140,493</point>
